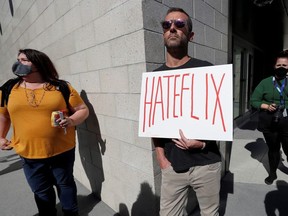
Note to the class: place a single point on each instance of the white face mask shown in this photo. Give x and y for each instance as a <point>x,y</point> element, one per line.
<point>21,70</point>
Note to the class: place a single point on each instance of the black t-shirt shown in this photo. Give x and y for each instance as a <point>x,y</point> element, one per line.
<point>182,160</point>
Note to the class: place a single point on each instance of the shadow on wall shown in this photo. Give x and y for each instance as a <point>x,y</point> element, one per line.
<point>147,204</point>
<point>277,200</point>
<point>91,148</point>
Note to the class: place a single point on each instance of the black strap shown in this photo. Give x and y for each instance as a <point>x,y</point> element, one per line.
<point>62,85</point>
<point>64,89</point>
<point>6,89</point>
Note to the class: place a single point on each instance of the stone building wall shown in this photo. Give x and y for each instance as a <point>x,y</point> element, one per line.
<point>102,48</point>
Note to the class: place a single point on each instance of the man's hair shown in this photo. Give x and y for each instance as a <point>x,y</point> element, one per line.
<point>43,64</point>
<point>189,21</point>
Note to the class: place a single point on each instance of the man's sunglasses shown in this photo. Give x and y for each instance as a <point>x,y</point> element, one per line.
<point>168,23</point>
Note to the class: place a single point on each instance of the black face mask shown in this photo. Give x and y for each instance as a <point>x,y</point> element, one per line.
<point>20,69</point>
<point>280,72</point>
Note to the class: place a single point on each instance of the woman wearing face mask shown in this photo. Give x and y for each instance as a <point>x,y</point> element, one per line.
<point>46,147</point>
<point>271,98</point>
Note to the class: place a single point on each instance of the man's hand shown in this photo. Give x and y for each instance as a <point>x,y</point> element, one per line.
<point>159,149</point>
<point>187,144</point>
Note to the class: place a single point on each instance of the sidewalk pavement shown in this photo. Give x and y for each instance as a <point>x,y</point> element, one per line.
<point>16,198</point>
<point>243,191</point>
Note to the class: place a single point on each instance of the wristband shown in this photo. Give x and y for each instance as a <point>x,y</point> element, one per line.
<point>204,145</point>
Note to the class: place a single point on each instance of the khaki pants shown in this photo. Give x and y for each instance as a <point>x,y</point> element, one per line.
<point>205,181</point>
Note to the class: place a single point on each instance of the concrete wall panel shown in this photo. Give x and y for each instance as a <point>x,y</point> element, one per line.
<point>102,48</point>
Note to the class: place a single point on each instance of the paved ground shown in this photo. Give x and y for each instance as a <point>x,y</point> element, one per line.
<point>16,199</point>
<point>243,193</point>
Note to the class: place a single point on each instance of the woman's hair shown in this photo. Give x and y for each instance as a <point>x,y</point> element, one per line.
<point>43,64</point>
<point>189,21</point>
<point>282,54</point>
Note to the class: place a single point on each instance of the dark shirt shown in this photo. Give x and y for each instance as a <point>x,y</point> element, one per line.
<point>181,160</point>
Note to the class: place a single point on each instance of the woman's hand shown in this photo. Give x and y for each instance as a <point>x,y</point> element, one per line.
<point>271,107</point>
<point>66,122</point>
<point>4,144</point>
<point>81,112</point>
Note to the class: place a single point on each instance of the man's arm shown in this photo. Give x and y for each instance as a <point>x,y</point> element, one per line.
<point>159,148</point>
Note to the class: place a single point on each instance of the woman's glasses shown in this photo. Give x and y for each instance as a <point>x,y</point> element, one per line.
<point>168,23</point>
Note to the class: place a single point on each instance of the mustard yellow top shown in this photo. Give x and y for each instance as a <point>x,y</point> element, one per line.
<point>33,136</point>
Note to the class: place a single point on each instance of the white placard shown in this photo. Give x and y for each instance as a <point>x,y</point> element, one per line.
<point>197,100</point>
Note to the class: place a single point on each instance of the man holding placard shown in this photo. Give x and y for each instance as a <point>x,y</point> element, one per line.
<point>185,163</point>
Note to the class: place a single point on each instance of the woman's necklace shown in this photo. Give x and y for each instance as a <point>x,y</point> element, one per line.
<point>31,97</point>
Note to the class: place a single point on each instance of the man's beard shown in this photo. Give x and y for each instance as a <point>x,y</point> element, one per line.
<point>176,43</point>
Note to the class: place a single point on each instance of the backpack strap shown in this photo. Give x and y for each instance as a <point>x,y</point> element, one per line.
<point>6,90</point>
<point>8,85</point>
<point>65,90</point>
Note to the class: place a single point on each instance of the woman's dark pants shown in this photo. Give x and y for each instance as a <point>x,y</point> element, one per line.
<point>277,135</point>
<point>43,174</point>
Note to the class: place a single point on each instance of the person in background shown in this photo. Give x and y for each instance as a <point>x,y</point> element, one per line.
<point>271,98</point>
<point>47,150</point>
<point>185,163</point>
